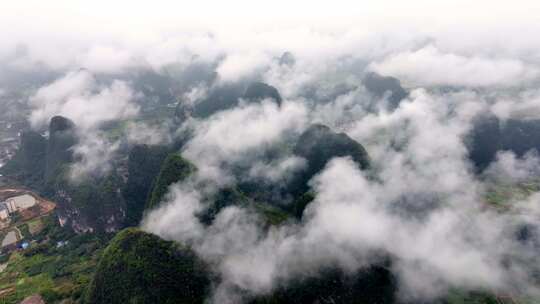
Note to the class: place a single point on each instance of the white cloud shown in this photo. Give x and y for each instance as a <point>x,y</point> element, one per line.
<point>50,99</point>
<point>105,59</point>
<point>525,105</point>
<point>78,96</point>
<point>237,66</point>
<point>142,133</point>
<point>94,153</point>
<point>452,247</point>
<point>231,136</point>
<point>429,66</point>
<point>277,171</point>
<point>424,208</point>
<point>508,168</point>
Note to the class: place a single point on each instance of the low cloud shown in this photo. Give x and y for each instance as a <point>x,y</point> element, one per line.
<point>79,97</point>
<point>94,154</point>
<point>422,206</point>
<point>430,66</point>
<point>525,106</point>
<point>277,171</point>
<point>106,59</point>
<point>350,220</point>
<point>142,133</point>
<point>237,66</point>
<point>240,135</point>
<point>508,167</point>
<point>89,104</point>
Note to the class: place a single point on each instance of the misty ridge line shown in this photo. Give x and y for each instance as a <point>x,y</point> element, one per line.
<point>367,216</point>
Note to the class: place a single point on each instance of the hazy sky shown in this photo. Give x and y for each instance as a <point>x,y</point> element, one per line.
<point>78,33</point>
<point>132,16</point>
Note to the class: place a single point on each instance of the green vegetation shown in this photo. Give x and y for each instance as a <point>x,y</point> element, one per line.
<point>272,215</point>
<point>95,200</point>
<point>381,86</point>
<point>318,145</point>
<point>39,161</point>
<point>259,90</point>
<point>62,138</point>
<point>35,225</point>
<point>374,285</point>
<point>138,267</point>
<point>174,169</point>
<point>301,203</point>
<point>460,297</point>
<point>4,258</point>
<point>25,232</point>
<point>233,197</point>
<point>44,165</point>
<point>502,195</point>
<point>220,98</point>
<point>28,164</point>
<point>55,272</point>
<point>222,199</point>
<point>490,135</point>
<point>144,163</point>
<point>227,96</point>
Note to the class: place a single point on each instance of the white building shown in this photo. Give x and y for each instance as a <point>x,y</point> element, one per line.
<point>20,202</point>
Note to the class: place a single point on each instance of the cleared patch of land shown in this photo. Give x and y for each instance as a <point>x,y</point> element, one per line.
<point>35,225</point>
<point>10,238</point>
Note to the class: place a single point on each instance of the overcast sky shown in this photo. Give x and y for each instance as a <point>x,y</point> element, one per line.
<point>130,17</point>
<point>62,32</point>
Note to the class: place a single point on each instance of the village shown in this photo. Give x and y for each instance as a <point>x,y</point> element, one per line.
<point>21,211</point>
